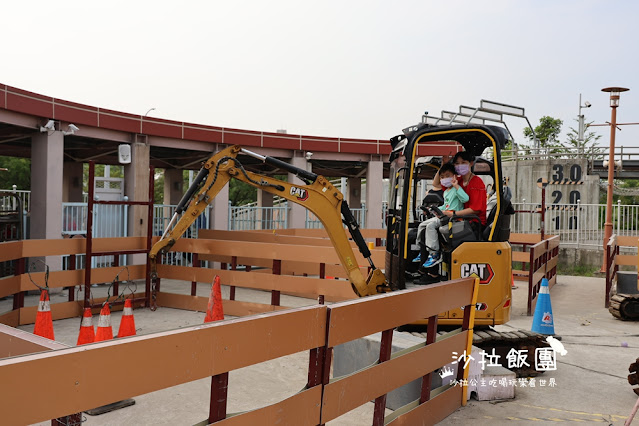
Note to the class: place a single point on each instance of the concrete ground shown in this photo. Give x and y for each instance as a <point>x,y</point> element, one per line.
<point>591,378</point>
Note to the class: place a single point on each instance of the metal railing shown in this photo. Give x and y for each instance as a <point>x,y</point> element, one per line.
<point>313,222</point>
<point>109,221</point>
<point>9,203</point>
<point>162,214</point>
<point>591,153</point>
<point>251,216</point>
<point>579,225</point>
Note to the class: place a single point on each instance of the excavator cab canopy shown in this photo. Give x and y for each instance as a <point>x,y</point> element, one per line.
<point>413,151</point>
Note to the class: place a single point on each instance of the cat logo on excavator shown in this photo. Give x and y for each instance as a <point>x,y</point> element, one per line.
<point>300,193</point>
<point>483,271</point>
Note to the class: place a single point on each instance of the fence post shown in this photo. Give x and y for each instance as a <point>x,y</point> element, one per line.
<point>363,224</point>
<point>385,348</point>
<point>543,212</point>
<point>431,337</point>
<point>125,223</point>
<point>578,224</point>
<point>275,294</point>
<point>618,216</point>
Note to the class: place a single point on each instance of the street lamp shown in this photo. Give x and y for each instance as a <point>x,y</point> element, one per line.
<point>614,103</point>
<point>581,131</point>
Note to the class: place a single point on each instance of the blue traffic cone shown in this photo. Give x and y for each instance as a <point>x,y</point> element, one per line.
<point>543,321</point>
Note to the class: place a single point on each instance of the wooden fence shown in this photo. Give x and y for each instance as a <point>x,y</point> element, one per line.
<point>187,354</point>
<point>292,261</point>
<point>614,260</point>
<point>539,260</point>
<point>289,264</point>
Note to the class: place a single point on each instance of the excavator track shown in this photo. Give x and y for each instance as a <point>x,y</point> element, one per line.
<point>503,342</point>
<point>633,377</point>
<point>625,307</point>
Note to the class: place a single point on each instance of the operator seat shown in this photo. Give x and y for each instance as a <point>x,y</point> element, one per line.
<point>502,231</point>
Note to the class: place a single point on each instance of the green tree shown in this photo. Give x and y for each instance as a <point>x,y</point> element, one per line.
<point>241,193</point>
<point>18,173</point>
<point>506,152</point>
<point>547,133</point>
<point>626,191</point>
<point>158,187</point>
<point>114,171</point>
<point>590,144</point>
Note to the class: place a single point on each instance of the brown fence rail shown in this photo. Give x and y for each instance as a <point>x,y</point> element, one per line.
<point>539,260</point>
<point>188,354</point>
<point>614,260</point>
<point>289,265</point>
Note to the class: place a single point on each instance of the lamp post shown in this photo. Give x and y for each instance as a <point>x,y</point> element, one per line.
<point>614,103</point>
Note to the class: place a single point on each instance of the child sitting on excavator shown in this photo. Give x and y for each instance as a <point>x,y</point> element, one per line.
<point>454,199</point>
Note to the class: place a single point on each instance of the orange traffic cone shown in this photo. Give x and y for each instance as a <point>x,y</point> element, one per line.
<point>512,282</point>
<point>44,322</point>
<point>105,332</point>
<point>127,324</point>
<point>215,310</point>
<point>87,333</point>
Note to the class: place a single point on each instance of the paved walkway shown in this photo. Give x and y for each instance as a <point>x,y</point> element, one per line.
<point>591,378</point>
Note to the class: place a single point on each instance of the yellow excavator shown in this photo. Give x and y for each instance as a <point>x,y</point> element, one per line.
<point>486,254</point>
<point>317,195</point>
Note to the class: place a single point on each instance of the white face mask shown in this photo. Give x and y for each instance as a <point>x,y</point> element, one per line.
<point>447,182</point>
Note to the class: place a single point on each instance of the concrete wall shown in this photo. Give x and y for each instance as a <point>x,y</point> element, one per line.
<point>523,176</point>
<point>580,257</point>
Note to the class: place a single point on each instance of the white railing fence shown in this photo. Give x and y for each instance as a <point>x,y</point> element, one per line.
<point>591,153</point>
<point>579,225</point>
<point>250,217</point>
<point>162,214</point>
<point>108,222</point>
<point>9,202</point>
<point>313,222</point>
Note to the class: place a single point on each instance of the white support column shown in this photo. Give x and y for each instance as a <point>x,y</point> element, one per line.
<point>374,188</point>
<point>47,157</point>
<point>220,214</point>
<point>354,196</point>
<point>72,182</point>
<point>136,187</point>
<point>264,199</point>
<point>297,213</point>
<point>173,186</point>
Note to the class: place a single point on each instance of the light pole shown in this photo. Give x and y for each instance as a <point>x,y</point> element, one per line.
<point>582,126</point>
<point>614,103</point>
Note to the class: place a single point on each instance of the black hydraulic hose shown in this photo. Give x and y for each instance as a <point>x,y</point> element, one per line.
<point>310,177</point>
<point>194,187</point>
<point>353,228</point>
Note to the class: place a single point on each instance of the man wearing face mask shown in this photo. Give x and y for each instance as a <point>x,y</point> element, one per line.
<point>454,199</point>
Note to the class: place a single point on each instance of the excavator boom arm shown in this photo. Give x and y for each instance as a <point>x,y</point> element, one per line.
<point>318,195</point>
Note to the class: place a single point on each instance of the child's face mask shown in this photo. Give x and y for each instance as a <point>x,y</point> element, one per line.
<point>447,182</point>
<point>462,169</point>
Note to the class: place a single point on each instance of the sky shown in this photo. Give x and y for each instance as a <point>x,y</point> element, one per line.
<point>357,69</point>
